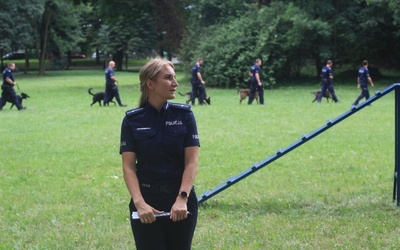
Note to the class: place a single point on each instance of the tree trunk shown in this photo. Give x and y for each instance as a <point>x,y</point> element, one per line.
<point>317,65</point>
<point>118,58</point>
<point>44,32</point>
<point>26,61</point>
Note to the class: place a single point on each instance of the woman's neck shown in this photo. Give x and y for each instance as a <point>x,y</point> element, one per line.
<point>157,104</point>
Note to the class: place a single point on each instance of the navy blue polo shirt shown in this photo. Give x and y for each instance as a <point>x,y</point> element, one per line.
<point>326,72</point>
<point>109,73</point>
<point>195,69</point>
<point>159,140</point>
<point>7,74</point>
<point>255,69</point>
<point>363,73</point>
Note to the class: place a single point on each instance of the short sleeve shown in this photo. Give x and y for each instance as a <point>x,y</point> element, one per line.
<point>126,143</point>
<point>192,136</point>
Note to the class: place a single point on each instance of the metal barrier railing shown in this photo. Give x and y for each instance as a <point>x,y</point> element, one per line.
<point>330,123</point>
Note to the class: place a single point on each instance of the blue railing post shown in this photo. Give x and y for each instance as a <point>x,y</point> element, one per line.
<point>396,186</point>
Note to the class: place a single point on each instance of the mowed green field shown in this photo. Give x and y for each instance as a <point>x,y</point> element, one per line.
<point>61,183</point>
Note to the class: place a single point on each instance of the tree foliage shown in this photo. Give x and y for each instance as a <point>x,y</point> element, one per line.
<point>287,35</point>
<point>228,34</point>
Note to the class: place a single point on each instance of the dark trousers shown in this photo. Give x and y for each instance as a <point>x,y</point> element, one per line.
<point>110,93</point>
<point>164,234</point>
<point>8,94</point>
<point>199,92</point>
<point>327,86</point>
<point>253,88</point>
<point>364,93</point>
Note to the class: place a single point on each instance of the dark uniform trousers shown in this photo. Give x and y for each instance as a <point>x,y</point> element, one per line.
<point>327,85</point>
<point>110,93</point>
<point>199,92</point>
<point>8,93</point>
<point>164,234</point>
<point>364,93</point>
<point>253,88</point>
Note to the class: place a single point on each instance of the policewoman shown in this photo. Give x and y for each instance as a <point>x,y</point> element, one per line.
<point>160,151</point>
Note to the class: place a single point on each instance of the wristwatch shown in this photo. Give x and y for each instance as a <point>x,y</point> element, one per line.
<point>183,194</point>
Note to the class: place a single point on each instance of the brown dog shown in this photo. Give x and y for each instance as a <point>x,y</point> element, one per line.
<point>327,95</point>
<point>244,93</point>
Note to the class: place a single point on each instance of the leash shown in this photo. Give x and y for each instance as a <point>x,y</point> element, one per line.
<point>18,88</point>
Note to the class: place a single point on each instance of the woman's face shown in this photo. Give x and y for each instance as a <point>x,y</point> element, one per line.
<point>165,84</point>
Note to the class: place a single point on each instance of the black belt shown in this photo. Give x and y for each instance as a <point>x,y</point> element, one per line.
<point>166,188</point>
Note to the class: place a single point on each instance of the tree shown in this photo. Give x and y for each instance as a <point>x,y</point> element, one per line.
<point>287,35</point>
<point>16,25</point>
<point>60,30</point>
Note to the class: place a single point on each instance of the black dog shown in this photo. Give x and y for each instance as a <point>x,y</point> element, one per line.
<point>98,97</point>
<point>327,95</point>
<point>20,97</point>
<point>189,95</point>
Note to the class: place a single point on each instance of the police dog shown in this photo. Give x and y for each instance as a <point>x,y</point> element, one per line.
<point>98,97</point>
<point>327,95</point>
<point>244,93</point>
<point>20,97</point>
<point>189,95</point>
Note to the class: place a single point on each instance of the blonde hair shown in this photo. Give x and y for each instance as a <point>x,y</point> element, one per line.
<point>148,72</point>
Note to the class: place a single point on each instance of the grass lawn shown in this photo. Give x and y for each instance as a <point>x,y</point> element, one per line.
<point>61,183</point>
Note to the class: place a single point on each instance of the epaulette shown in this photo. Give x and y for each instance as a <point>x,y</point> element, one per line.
<point>134,111</point>
<point>180,106</point>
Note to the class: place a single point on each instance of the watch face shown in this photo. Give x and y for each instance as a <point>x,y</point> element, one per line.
<point>184,194</point>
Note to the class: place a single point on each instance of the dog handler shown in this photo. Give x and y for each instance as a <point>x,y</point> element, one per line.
<point>255,82</point>
<point>159,148</point>
<point>362,82</point>
<point>7,87</point>
<point>327,76</point>
<point>111,86</point>
<point>197,82</point>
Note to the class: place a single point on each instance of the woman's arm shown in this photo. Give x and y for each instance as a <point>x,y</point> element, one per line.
<point>179,209</point>
<point>145,211</point>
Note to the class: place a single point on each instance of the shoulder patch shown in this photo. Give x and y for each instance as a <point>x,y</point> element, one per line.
<point>134,111</point>
<point>180,106</point>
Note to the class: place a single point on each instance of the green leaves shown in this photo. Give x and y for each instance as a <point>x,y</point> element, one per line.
<point>288,35</point>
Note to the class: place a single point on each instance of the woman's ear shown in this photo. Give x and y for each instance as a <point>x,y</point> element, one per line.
<point>150,84</point>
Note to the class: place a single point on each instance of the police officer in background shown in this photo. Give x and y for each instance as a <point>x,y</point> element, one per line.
<point>197,82</point>
<point>362,82</point>
<point>255,82</point>
<point>8,92</point>
<point>327,76</point>
<point>159,148</point>
<point>111,86</point>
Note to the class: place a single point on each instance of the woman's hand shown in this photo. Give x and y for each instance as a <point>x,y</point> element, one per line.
<point>146,213</point>
<point>179,209</point>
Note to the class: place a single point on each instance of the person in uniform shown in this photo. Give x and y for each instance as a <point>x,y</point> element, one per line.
<point>362,82</point>
<point>327,76</point>
<point>197,82</point>
<point>255,82</point>
<point>160,151</point>
<point>7,88</point>
<point>111,86</point>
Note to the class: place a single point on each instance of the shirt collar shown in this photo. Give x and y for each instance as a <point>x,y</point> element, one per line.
<point>150,108</point>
